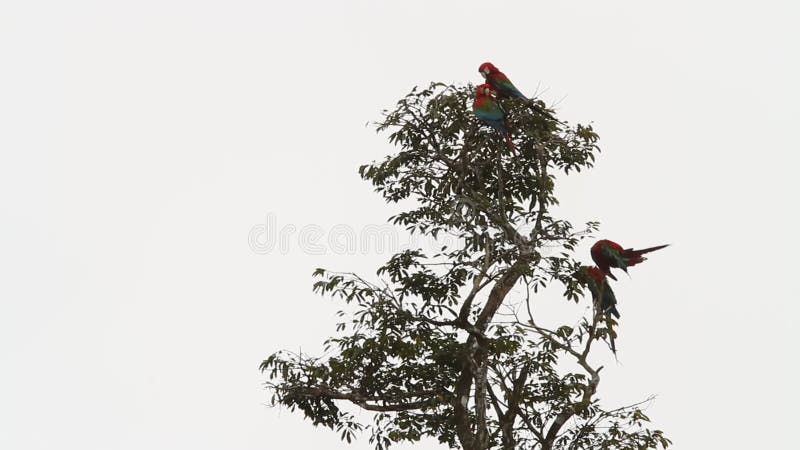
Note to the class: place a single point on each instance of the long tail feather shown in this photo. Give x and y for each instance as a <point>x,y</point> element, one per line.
<point>634,257</point>
<point>651,249</point>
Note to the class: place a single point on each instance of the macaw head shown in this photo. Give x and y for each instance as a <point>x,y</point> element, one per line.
<point>486,68</point>
<point>485,90</point>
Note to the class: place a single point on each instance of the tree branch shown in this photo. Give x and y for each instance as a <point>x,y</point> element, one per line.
<point>314,392</point>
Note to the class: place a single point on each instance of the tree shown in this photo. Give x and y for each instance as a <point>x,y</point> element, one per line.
<point>422,345</point>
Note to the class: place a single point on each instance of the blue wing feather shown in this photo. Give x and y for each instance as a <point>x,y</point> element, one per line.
<point>491,113</point>
<point>506,87</point>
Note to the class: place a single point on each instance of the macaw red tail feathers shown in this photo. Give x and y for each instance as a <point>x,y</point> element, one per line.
<point>509,142</point>
<point>633,257</point>
<point>651,249</point>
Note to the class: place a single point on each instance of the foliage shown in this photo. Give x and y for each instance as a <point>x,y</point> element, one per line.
<point>421,345</point>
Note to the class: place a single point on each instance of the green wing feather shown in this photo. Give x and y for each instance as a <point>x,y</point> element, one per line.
<point>614,257</point>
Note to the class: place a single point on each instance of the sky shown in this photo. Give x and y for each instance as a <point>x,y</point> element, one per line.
<point>171,172</point>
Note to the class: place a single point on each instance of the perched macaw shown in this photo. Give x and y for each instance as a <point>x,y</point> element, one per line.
<point>505,88</point>
<point>499,81</point>
<point>607,254</point>
<point>490,112</point>
<point>601,291</point>
<point>602,296</point>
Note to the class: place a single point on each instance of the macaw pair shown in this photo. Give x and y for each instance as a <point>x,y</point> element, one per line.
<point>498,86</point>
<point>486,108</point>
<point>607,254</point>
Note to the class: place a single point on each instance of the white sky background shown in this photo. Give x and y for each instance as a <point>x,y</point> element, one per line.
<point>140,142</point>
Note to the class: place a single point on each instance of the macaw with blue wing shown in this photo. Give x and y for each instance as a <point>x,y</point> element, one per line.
<point>489,111</point>
<point>499,81</point>
<point>607,254</point>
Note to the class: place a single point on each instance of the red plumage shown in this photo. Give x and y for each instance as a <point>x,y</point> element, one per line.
<point>499,81</point>
<point>597,275</point>
<point>607,254</point>
<point>603,297</point>
<point>489,111</point>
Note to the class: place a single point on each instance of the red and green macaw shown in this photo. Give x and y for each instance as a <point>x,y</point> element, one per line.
<point>499,81</point>
<point>602,296</point>
<point>505,88</point>
<point>607,254</point>
<point>489,111</point>
<point>595,280</point>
